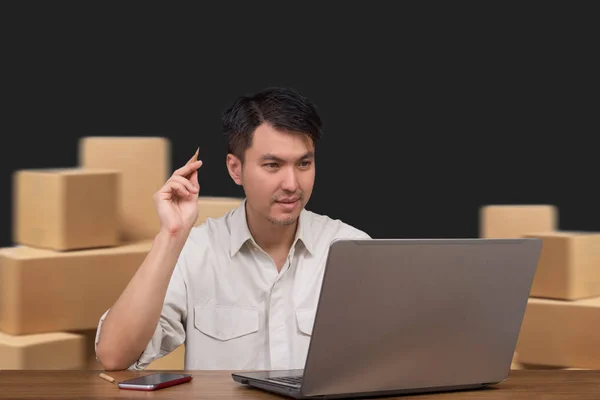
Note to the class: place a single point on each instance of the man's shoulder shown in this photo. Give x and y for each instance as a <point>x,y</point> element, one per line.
<point>334,228</point>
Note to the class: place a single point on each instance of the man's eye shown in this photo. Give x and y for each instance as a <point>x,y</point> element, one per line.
<point>305,164</point>
<point>271,165</point>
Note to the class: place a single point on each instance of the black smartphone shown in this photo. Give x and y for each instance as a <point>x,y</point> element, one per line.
<point>155,381</point>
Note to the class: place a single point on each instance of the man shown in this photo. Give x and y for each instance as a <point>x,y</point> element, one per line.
<point>240,291</point>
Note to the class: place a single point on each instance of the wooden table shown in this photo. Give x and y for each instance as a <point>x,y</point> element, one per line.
<point>522,384</point>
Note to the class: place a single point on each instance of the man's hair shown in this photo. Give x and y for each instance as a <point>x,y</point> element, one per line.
<point>283,108</point>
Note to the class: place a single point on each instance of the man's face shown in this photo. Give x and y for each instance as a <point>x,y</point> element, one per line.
<point>278,174</point>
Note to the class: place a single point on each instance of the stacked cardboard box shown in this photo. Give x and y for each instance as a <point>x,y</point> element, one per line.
<point>79,235</point>
<point>72,253</point>
<point>215,207</point>
<point>562,321</point>
<point>560,326</point>
<point>512,221</point>
<point>144,164</point>
<point>500,221</point>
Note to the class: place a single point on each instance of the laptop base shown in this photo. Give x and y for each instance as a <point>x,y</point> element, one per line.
<point>259,380</point>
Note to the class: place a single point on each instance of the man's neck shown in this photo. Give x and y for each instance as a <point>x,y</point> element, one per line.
<point>269,236</point>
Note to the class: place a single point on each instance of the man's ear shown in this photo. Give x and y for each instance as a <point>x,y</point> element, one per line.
<point>234,166</point>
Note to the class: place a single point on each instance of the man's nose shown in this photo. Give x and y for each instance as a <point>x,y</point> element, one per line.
<point>290,181</point>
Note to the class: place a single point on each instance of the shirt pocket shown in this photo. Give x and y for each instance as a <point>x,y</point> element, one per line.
<point>225,322</point>
<point>305,319</point>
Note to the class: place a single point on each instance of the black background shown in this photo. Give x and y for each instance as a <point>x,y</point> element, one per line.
<point>429,113</point>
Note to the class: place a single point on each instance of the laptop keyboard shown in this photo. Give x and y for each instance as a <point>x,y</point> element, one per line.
<point>288,380</point>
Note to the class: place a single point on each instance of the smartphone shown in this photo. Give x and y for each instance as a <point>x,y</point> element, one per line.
<point>155,381</point>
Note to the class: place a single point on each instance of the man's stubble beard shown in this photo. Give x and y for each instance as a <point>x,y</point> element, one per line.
<point>290,220</point>
<point>283,222</point>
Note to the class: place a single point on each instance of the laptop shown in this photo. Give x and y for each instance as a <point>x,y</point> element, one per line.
<point>407,316</point>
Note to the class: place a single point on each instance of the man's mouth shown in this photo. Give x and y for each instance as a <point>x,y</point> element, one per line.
<point>288,201</point>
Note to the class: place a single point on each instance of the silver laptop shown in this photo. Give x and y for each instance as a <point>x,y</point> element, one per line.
<point>404,316</point>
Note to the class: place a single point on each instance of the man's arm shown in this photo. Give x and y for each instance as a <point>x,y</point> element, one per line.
<point>132,322</point>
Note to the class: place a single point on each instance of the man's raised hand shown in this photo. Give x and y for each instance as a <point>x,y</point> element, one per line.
<point>177,200</point>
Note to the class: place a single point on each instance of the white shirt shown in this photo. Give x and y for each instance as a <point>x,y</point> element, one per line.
<point>232,308</point>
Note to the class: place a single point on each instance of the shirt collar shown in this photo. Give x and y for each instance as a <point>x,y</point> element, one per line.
<point>303,233</point>
<point>240,233</point>
<point>239,229</point>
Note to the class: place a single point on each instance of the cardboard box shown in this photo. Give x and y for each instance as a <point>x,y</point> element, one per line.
<point>57,350</point>
<point>90,362</point>
<point>145,166</point>
<point>563,334</point>
<point>569,266</point>
<point>46,291</point>
<point>215,207</point>
<point>174,361</point>
<point>65,209</point>
<point>512,221</point>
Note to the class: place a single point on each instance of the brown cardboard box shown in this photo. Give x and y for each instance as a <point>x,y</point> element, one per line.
<point>174,361</point>
<point>560,333</point>
<point>46,291</point>
<point>215,207</point>
<point>569,266</point>
<point>65,209</point>
<point>145,165</point>
<point>90,362</point>
<point>57,350</point>
<point>512,221</point>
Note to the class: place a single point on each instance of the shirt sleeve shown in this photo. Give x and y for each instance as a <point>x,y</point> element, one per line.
<point>361,235</point>
<point>170,331</point>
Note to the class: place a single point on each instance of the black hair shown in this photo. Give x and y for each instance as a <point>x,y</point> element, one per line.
<point>283,108</point>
